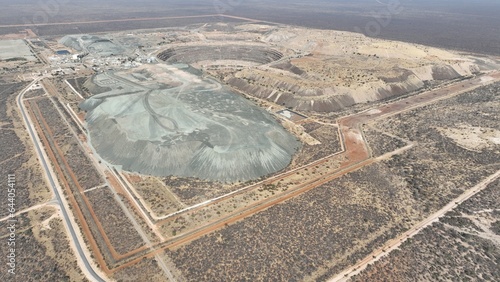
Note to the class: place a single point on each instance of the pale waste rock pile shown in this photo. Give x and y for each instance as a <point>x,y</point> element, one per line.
<point>190,127</point>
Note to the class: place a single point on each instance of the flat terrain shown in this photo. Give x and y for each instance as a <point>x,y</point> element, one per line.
<point>16,154</point>
<point>43,250</point>
<point>463,245</point>
<point>466,26</point>
<point>15,50</point>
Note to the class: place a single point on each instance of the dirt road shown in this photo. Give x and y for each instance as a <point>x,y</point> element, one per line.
<point>396,242</point>
<point>356,151</point>
<point>76,239</point>
<point>356,154</point>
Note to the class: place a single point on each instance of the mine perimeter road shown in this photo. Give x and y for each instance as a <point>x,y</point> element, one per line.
<point>407,104</point>
<point>356,150</point>
<point>55,188</point>
<point>352,140</point>
<point>396,242</point>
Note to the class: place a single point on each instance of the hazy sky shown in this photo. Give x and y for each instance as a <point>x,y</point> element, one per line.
<point>110,7</point>
<point>460,24</point>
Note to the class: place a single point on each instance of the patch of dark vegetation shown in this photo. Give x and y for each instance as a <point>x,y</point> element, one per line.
<point>119,229</point>
<point>327,135</point>
<point>381,143</point>
<point>309,232</point>
<point>14,154</point>
<point>88,28</point>
<point>459,221</point>
<point>194,190</point>
<point>495,227</point>
<point>86,173</point>
<point>145,270</point>
<point>79,85</point>
<point>34,93</point>
<point>453,249</point>
<point>42,254</point>
<point>16,59</point>
<point>7,92</point>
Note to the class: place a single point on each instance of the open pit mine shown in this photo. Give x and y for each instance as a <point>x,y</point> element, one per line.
<point>173,103</point>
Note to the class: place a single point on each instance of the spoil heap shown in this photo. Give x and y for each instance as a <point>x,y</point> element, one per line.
<point>190,127</point>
